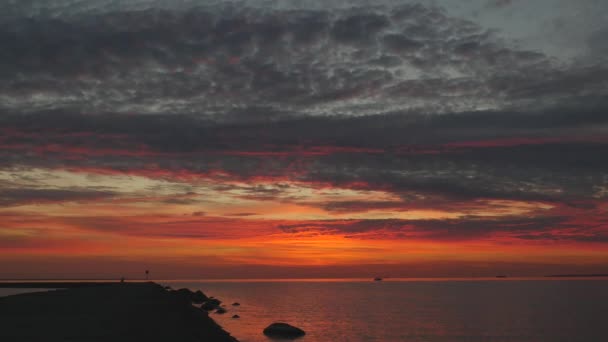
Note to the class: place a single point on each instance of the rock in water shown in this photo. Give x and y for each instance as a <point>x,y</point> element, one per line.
<point>236,304</point>
<point>220,310</point>
<point>236,316</point>
<point>283,330</point>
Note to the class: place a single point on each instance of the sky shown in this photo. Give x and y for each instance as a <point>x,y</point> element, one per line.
<point>265,139</point>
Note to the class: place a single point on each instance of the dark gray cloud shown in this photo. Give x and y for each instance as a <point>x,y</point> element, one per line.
<point>506,229</point>
<point>23,196</point>
<point>237,63</point>
<point>242,214</point>
<point>597,43</point>
<point>448,229</point>
<point>500,3</point>
<point>547,155</point>
<point>403,98</point>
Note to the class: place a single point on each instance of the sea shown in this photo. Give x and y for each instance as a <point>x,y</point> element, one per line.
<point>412,310</point>
<point>415,310</point>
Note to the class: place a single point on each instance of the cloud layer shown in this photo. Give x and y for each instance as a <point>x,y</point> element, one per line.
<point>230,63</point>
<point>398,121</point>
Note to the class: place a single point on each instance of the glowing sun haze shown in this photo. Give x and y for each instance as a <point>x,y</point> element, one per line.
<point>303,138</point>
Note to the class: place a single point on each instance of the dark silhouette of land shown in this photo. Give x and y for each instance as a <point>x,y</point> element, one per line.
<point>89,312</point>
<point>52,284</point>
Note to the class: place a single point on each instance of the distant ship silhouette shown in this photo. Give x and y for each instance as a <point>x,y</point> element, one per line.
<point>377,279</point>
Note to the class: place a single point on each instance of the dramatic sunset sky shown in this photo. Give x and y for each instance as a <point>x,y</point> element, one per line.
<point>303,138</point>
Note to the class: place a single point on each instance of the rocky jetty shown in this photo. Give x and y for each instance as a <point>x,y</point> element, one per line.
<point>186,295</point>
<point>127,312</point>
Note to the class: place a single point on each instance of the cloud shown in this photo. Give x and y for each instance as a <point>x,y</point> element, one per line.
<point>230,63</point>
<point>23,196</point>
<point>597,44</point>
<point>500,3</point>
<point>503,230</point>
<point>404,99</point>
<point>490,154</point>
<point>242,214</point>
<point>201,227</point>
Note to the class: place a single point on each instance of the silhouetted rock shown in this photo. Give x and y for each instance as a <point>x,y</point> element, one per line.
<point>208,306</point>
<point>236,316</point>
<point>220,310</point>
<point>211,304</point>
<point>184,291</point>
<point>184,295</point>
<point>236,304</point>
<point>199,297</point>
<point>283,330</point>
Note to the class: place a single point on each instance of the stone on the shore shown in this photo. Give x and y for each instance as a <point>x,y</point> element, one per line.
<point>236,316</point>
<point>198,297</point>
<point>236,304</point>
<point>211,304</point>
<point>283,330</point>
<point>184,291</point>
<point>186,295</point>
<point>220,310</point>
<point>208,306</point>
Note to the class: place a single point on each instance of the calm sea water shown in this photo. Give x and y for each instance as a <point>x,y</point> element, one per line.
<point>423,310</point>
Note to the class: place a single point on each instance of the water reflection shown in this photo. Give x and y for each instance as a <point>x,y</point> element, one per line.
<point>430,310</point>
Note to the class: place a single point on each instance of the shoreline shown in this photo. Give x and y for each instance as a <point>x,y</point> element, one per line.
<point>141,311</point>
